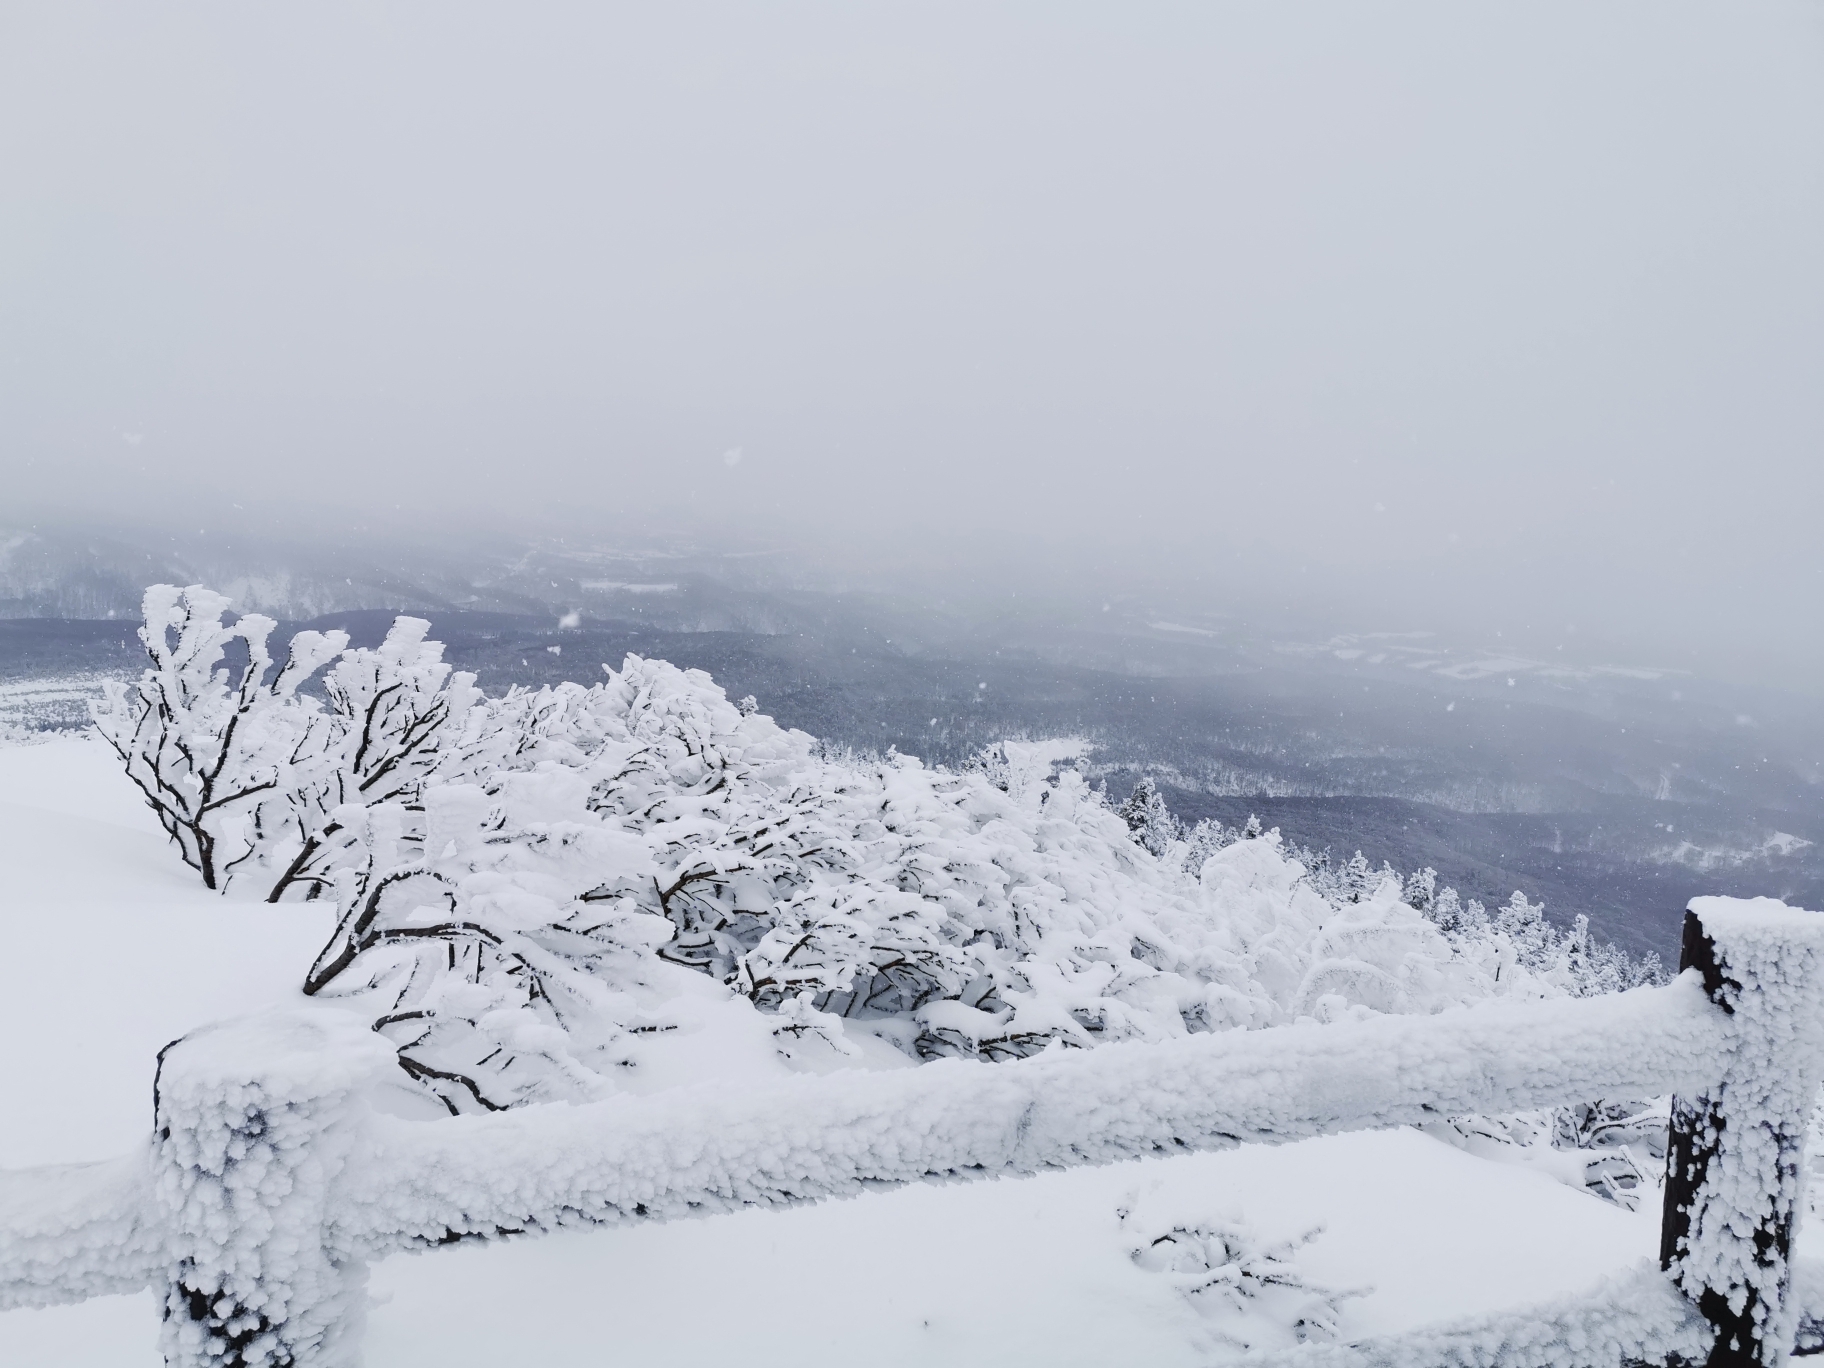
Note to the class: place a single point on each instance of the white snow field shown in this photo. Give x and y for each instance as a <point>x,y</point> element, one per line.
<point>113,949</point>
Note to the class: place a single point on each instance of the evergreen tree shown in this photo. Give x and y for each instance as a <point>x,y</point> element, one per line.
<point>1421,889</point>
<point>1148,818</point>
<point>1357,880</point>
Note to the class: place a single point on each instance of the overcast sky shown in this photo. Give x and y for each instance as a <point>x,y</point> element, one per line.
<point>1494,310</point>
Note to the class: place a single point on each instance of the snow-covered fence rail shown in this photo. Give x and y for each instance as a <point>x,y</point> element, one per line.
<point>270,1184</point>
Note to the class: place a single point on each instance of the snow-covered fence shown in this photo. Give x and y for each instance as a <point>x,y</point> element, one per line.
<point>270,1184</point>
<point>1735,1157</point>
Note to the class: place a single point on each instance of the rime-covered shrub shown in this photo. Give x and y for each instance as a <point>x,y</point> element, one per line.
<point>247,773</point>
<point>1611,1150</point>
<point>209,742</point>
<point>395,716</point>
<point>1515,943</point>
<point>521,881</point>
<point>501,921</point>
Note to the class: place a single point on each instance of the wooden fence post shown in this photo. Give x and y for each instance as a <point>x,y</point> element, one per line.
<point>255,1119</point>
<point>1734,1161</point>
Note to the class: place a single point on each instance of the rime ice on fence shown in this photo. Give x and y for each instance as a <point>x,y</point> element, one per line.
<point>271,1183</point>
<point>75,1231</point>
<point>1737,1146</point>
<point>255,1122</point>
<point>704,1149</point>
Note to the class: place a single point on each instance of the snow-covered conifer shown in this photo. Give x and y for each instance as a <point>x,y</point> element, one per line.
<point>1203,841</point>
<point>1524,923</point>
<point>1421,889</point>
<point>1358,879</point>
<point>1149,818</point>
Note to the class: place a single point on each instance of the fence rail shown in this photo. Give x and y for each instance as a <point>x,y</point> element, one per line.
<point>270,1184</point>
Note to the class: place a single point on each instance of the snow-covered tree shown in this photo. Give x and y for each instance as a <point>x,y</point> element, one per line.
<point>395,716</point>
<point>1203,841</point>
<point>456,928</point>
<point>607,824</point>
<point>1149,818</point>
<point>249,775</point>
<point>1451,916</point>
<point>1421,889</point>
<point>207,742</point>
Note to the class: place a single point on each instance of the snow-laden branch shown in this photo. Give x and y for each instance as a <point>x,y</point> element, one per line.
<point>697,1150</point>
<point>208,746</point>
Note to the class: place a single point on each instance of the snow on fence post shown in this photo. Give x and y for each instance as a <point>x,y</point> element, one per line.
<point>1733,1164</point>
<point>254,1120</point>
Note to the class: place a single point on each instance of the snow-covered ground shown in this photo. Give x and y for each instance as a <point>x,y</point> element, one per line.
<point>113,950</point>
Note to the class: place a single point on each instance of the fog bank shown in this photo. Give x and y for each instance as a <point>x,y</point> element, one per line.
<point>1414,313</point>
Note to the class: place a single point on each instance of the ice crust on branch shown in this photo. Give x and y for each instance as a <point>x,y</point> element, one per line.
<point>395,715</point>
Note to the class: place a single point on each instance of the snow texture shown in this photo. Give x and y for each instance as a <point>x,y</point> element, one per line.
<point>1631,1318</point>
<point>701,1149</point>
<point>1751,1123</point>
<point>1251,1291</point>
<point>256,1120</point>
<point>69,1232</point>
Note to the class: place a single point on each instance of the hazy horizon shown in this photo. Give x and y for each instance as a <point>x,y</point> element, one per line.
<point>1418,315</point>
